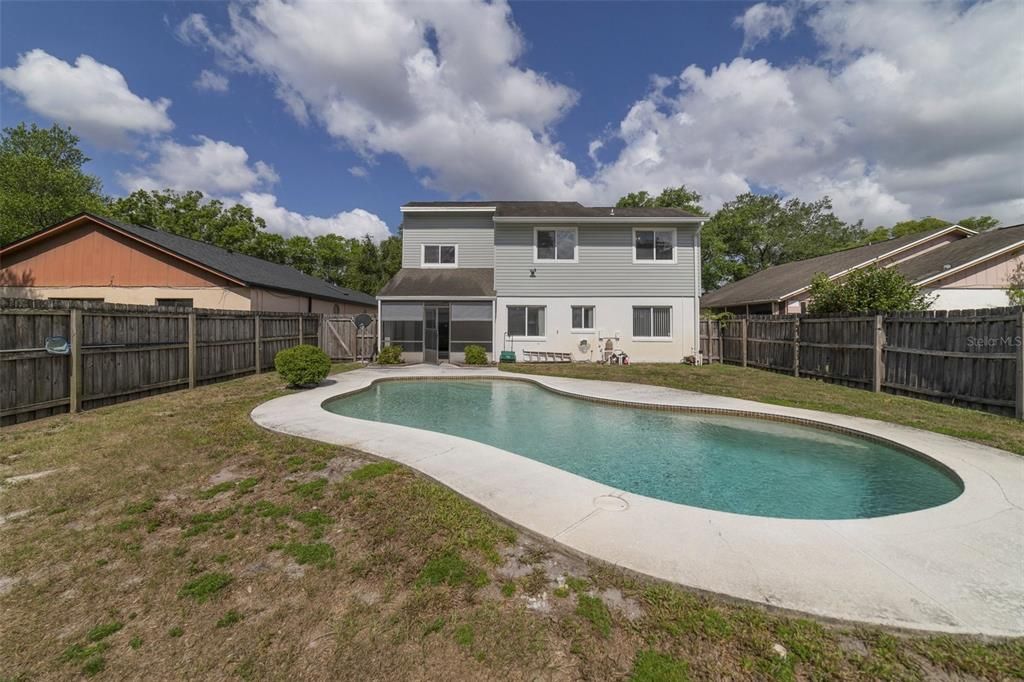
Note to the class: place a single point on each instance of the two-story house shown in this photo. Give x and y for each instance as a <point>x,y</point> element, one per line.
<point>549,276</point>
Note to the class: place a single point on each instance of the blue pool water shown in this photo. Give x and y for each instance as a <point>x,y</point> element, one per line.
<point>746,466</point>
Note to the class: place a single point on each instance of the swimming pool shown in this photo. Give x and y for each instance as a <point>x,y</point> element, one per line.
<point>733,464</point>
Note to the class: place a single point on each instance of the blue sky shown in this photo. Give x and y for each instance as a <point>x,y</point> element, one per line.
<point>330,116</point>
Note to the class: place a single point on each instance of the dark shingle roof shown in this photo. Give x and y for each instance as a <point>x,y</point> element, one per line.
<point>556,209</point>
<point>247,269</point>
<point>775,282</point>
<point>441,282</point>
<point>961,252</point>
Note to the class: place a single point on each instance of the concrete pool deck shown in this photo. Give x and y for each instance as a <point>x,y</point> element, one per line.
<point>957,568</point>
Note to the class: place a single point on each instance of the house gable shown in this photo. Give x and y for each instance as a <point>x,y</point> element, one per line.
<point>87,253</point>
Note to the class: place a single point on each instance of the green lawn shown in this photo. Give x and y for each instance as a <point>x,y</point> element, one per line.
<point>177,540</point>
<point>779,389</point>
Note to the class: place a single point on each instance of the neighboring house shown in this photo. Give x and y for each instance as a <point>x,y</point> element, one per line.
<point>970,273</point>
<point>786,288</point>
<point>544,276</point>
<point>95,258</point>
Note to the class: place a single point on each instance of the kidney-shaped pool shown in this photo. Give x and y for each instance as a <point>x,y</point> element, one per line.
<point>733,464</point>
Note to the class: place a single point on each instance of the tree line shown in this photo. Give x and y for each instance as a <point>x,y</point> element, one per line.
<point>757,231</point>
<point>42,182</point>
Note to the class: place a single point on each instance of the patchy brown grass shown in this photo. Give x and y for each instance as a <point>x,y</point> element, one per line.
<point>779,389</point>
<point>180,541</point>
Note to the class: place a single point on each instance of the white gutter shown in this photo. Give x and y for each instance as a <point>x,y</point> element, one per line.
<point>610,220</point>
<point>436,298</point>
<point>449,209</point>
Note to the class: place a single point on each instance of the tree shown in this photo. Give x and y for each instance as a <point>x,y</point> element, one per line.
<point>191,214</point>
<point>354,263</point>
<point>754,232</point>
<point>1016,291</point>
<point>869,290</point>
<point>670,197</point>
<point>41,180</point>
<point>978,223</point>
<point>913,226</point>
<point>373,264</point>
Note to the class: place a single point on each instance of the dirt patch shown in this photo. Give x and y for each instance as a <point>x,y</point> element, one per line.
<point>14,516</point>
<point>29,477</point>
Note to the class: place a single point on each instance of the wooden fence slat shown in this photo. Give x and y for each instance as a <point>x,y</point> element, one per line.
<point>75,381</point>
<point>958,357</point>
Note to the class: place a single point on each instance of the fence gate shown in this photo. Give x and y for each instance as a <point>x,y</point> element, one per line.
<point>343,340</point>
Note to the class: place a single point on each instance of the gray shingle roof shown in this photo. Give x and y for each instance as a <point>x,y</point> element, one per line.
<point>252,271</point>
<point>441,282</point>
<point>557,209</point>
<point>778,281</point>
<point>961,252</point>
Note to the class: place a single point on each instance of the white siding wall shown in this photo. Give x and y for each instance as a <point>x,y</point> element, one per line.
<point>473,234</point>
<point>613,316</point>
<point>968,299</point>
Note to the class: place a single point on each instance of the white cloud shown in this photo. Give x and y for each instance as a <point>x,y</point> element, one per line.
<point>439,84</point>
<point>359,172</point>
<point>907,109</point>
<point>914,109</point>
<point>211,166</point>
<point>93,98</point>
<point>222,170</point>
<point>211,81</point>
<point>762,21</point>
<point>355,223</point>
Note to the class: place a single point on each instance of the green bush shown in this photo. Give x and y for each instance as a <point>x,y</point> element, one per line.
<point>302,365</point>
<point>390,355</point>
<point>476,355</point>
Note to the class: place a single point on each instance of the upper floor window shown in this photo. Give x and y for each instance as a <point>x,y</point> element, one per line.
<point>654,246</point>
<point>440,255</point>
<point>555,245</point>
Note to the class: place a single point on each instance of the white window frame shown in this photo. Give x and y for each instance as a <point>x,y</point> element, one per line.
<point>556,259</point>
<point>423,256</point>
<point>671,321</point>
<point>593,319</point>
<point>517,337</point>
<point>655,261</point>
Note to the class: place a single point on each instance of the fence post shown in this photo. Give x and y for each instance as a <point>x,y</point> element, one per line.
<point>192,369</point>
<point>302,322</point>
<point>796,346</point>
<point>75,387</point>
<point>257,333</point>
<point>1020,365</point>
<point>878,373</point>
<point>743,340</point>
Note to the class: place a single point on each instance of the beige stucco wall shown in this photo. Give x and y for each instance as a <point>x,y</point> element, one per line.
<point>276,301</point>
<point>225,298</point>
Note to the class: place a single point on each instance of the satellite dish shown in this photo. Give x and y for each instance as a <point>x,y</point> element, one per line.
<point>363,321</point>
<point>57,345</point>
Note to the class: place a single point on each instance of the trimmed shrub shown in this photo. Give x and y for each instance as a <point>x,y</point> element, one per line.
<point>302,365</point>
<point>476,355</point>
<point>390,355</point>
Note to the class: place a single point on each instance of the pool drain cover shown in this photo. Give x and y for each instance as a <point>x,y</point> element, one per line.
<point>610,503</point>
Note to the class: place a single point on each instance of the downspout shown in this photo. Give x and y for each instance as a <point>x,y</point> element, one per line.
<point>380,326</point>
<point>697,279</point>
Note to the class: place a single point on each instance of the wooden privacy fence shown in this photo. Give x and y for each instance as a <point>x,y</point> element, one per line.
<point>343,340</point>
<point>123,352</point>
<point>970,358</point>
